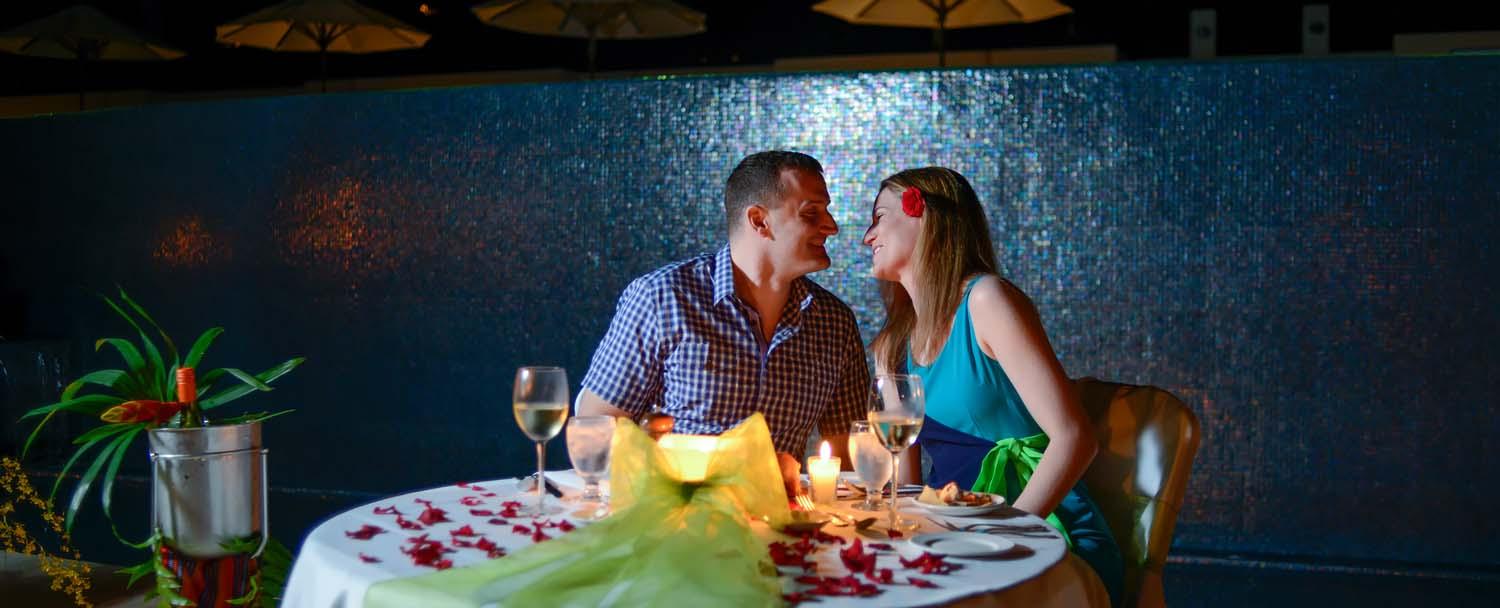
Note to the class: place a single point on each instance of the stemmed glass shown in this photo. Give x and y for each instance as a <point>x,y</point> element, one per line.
<point>896,414</point>
<point>872,463</point>
<point>588,447</point>
<point>540,403</point>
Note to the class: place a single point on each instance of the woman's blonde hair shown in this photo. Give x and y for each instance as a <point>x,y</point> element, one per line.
<point>953,245</point>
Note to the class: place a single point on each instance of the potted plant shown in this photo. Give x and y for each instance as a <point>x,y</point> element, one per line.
<point>208,488</point>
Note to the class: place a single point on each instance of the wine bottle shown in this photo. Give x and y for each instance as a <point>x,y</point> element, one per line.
<point>187,392</point>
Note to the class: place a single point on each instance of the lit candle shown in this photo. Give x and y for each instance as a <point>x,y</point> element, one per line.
<point>689,453</point>
<point>823,470</point>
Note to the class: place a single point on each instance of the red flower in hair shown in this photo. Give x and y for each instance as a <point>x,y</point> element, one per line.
<point>911,202</point>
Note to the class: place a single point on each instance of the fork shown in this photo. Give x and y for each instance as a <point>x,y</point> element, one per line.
<point>807,505</point>
<point>1034,531</point>
<point>839,519</point>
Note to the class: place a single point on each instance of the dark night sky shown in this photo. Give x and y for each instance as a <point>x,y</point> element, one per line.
<point>739,32</point>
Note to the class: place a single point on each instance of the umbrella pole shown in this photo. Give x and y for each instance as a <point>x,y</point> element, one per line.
<point>942,29</point>
<point>593,51</point>
<point>323,62</point>
<point>83,62</point>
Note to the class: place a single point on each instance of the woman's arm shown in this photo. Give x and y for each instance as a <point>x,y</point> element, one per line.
<point>1010,331</point>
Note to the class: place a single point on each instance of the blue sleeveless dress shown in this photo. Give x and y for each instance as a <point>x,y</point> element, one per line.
<point>971,405</point>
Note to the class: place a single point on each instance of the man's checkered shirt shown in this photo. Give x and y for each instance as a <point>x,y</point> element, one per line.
<point>682,340</point>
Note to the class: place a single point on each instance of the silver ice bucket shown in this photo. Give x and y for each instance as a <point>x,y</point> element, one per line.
<point>208,487</point>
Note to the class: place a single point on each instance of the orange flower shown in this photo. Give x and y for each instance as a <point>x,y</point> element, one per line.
<point>143,410</point>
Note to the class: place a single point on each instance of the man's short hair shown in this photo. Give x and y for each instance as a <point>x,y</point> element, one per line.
<point>757,180</point>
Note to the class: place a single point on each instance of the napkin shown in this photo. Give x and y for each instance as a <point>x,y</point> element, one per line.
<point>667,541</point>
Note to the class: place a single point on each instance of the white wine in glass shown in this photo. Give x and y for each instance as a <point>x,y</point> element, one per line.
<point>896,413</point>
<point>540,403</point>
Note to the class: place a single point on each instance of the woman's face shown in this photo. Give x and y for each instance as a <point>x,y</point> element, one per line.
<point>891,237</point>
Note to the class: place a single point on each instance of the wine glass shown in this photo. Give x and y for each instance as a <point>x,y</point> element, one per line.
<point>540,402</point>
<point>872,463</point>
<point>588,447</point>
<point>896,415</point>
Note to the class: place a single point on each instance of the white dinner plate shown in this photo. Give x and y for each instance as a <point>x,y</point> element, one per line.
<point>963,544</point>
<point>997,503</point>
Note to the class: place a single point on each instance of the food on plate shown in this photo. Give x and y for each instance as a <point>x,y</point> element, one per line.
<point>950,495</point>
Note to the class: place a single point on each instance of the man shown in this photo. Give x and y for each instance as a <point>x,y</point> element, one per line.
<point>715,338</point>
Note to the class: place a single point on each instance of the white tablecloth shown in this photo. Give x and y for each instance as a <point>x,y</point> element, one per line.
<point>333,569</point>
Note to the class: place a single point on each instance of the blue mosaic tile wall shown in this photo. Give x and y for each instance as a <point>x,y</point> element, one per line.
<point>1300,250</point>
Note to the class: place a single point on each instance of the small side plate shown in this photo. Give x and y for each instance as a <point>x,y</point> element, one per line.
<point>963,544</point>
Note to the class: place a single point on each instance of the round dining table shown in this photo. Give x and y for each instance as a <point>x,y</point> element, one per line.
<point>353,550</point>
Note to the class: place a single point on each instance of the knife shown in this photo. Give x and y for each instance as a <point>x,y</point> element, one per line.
<point>528,484</point>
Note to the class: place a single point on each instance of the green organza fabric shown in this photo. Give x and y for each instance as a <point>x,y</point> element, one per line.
<point>1014,459</point>
<point>667,542</point>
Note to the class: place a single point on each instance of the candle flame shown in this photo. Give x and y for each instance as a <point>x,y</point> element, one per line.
<point>825,452</point>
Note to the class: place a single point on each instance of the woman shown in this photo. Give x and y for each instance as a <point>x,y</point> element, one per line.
<point>1002,416</point>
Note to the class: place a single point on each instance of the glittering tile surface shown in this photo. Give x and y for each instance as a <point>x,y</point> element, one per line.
<point>1300,250</point>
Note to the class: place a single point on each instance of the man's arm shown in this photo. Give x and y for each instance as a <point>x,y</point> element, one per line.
<point>589,404</point>
<point>851,398</point>
<point>625,375</point>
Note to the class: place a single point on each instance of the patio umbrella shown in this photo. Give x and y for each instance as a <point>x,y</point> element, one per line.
<point>593,19</point>
<point>323,27</point>
<point>941,15</point>
<point>83,34</point>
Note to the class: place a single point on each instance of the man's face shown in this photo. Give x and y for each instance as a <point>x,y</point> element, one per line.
<point>800,224</point>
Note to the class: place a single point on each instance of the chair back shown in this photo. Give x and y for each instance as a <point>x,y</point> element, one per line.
<point>1147,439</point>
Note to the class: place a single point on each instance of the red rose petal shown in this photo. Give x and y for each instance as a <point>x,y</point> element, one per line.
<point>511,504</point>
<point>881,546</point>
<point>464,531</point>
<point>471,501</point>
<point>407,524</point>
<point>428,553</point>
<point>923,583</point>
<point>929,564</point>
<point>391,510</point>
<point>841,586</point>
<point>520,529</point>
<point>365,532</point>
<point>481,512</point>
<point>461,543</point>
<point>783,554</point>
<point>538,536</point>
<point>824,537</point>
<point>488,494</point>
<point>368,560</point>
<point>498,522</point>
<point>895,533</point>
<point>566,526</point>
<point>432,515</point>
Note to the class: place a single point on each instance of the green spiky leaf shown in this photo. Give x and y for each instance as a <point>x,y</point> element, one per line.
<point>241,390</point>
<point>201,345</point>
<point>107,488</point>
<point>88,478</point>
<point>87,404</point>
<point>166,339</point>
<point>152,378</point>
